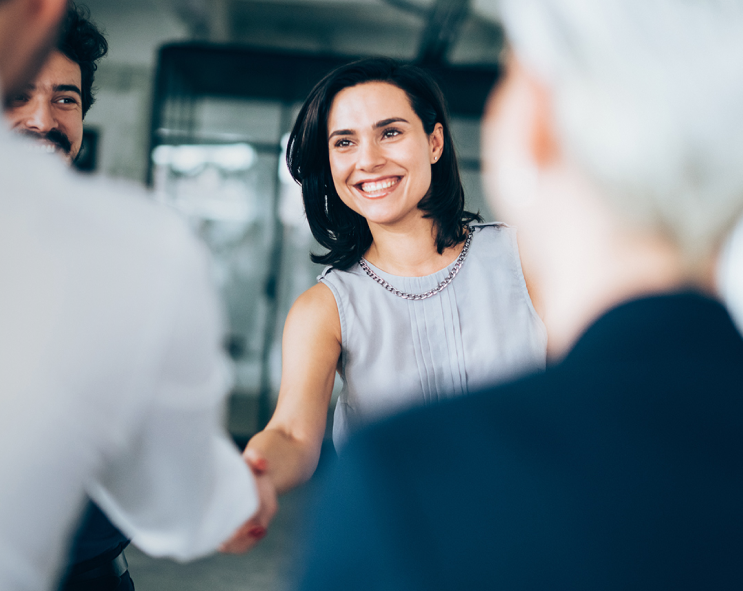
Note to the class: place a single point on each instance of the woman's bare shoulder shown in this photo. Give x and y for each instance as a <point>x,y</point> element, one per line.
<point>316,308</point>
<point>316,298</point>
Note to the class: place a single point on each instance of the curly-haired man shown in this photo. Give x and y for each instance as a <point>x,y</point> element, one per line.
<point>52,107</point>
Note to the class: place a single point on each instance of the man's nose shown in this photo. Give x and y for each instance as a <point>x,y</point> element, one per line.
<point>40,117</point>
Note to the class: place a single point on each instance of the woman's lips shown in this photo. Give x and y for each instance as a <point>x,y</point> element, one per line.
<point>378,187</point>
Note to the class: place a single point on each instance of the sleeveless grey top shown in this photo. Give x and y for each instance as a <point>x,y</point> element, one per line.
<point>482,329</point>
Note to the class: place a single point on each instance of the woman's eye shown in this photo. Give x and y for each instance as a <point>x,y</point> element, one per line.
<point>342,143</point>
<point>391,132</point>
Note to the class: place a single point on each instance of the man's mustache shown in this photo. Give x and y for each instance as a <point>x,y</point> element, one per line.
<point>53,136</point>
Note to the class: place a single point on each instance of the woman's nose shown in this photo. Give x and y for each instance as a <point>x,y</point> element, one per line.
<point>371,156</point>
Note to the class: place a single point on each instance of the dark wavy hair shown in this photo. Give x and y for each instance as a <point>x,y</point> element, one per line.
<point>334,225</point>
<point>82,42</point>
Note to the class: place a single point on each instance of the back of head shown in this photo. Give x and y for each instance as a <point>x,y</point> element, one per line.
<point>82,42</point>
<point>647,100</point>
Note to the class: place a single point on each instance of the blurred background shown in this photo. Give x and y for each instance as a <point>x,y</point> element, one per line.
<point>196,99</point>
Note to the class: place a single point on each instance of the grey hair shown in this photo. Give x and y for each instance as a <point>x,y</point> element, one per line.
<point>648,102</point>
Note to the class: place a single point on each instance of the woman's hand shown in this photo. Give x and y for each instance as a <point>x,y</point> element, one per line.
<point>255,529</point>
<point>286,452</point>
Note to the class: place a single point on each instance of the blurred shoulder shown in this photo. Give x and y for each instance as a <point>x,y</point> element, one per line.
<point>66,210</point>
<point>129,211</point>
<point>457,425</point>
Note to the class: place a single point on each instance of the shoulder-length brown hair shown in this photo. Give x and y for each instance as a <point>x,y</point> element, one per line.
<point>334,225</point>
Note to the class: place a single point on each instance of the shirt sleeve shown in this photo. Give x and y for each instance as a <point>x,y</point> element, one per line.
<point>180,487</point>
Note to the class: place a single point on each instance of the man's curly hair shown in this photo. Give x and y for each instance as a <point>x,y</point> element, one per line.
<point>82,42</point>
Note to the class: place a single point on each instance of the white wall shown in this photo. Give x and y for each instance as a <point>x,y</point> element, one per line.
<point>135,29</point>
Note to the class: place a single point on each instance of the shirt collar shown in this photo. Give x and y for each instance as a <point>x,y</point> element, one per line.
<point>678,324</point>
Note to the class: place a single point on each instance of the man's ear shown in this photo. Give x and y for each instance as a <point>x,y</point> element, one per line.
<point>542,143</point>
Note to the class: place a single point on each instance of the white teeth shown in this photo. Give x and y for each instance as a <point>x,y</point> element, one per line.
<point>42,147</point>
<point>377,186</point>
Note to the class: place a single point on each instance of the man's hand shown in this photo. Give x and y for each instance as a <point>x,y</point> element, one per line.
<point>253,530</point>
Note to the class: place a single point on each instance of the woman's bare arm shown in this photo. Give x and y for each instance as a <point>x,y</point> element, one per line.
<point>311,346</point>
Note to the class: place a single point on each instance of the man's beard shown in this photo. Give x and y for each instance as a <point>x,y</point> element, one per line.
<point>53,136</point>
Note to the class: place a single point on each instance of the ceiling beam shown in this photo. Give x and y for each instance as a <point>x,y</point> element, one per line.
<point>220,29</point>
<point>410,7</point>
<point>445,20</point>
<point>207,20</point>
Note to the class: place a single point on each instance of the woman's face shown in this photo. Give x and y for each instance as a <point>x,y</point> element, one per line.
<point>380,155</point>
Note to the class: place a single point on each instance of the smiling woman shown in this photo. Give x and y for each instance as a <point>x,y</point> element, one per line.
<point>408,103</point>
<point>418,303</point>
<point>381,168</point>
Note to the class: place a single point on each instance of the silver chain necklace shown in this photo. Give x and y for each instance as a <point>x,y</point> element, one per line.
<point>438,289</point>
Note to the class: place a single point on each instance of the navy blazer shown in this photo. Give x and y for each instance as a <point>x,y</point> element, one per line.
<point>619,468</point>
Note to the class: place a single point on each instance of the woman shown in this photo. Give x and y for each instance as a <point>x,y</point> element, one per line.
<point>417,304</point>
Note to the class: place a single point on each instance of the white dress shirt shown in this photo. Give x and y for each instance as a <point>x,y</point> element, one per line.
<point>112,379</point>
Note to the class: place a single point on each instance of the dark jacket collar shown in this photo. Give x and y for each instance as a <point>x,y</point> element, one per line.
<point>672,325</point>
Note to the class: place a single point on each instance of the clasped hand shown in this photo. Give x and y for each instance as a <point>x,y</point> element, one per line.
<point>255,528</point>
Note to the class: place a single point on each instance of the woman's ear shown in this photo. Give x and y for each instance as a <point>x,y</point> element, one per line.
<point>436,142</point>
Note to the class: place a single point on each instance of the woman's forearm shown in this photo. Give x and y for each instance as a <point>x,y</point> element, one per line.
<point>289,461</point>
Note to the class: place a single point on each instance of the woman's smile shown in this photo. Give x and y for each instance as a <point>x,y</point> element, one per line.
<point>375,189</point>
<point>379,154</point>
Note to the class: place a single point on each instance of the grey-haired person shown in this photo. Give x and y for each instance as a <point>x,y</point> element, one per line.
<point>615,145</point>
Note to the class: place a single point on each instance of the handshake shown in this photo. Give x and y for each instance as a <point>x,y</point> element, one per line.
<point>253,530</point>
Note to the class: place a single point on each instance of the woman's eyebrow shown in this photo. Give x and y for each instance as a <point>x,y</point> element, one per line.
<point>341,132</point>
<point>385,122</point>
<point>377,125</point>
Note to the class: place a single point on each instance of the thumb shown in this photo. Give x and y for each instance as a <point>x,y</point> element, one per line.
<point>256,461</point>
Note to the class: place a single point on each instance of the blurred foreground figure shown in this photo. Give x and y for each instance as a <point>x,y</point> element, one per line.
<point>51,109</point>
<point>614,145</point>
<point>111,369</point>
